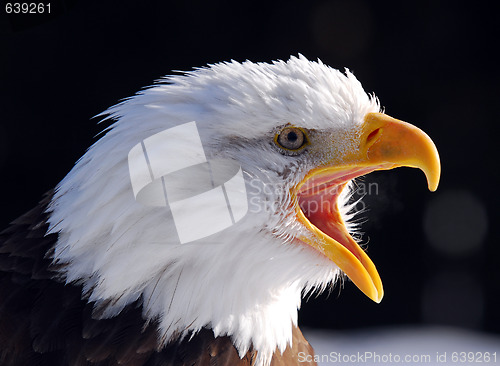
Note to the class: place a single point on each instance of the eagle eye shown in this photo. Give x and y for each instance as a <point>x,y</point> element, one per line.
<point>291,138</point>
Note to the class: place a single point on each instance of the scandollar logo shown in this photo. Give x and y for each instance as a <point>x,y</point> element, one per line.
<point>204,196</point>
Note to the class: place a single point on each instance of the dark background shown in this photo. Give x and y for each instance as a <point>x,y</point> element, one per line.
<point>431,63</point>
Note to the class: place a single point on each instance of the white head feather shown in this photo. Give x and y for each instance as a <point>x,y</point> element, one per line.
<point>246,281</point>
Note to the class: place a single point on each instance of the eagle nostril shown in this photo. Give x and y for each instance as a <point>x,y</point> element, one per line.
<point>373,137</point>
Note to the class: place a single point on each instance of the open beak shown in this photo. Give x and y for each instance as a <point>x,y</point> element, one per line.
<point>386,143</point>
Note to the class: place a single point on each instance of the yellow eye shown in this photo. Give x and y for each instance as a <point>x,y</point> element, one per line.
<point>291,138</point>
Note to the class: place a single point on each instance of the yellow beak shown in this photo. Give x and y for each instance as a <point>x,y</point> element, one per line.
<point>385,143</point>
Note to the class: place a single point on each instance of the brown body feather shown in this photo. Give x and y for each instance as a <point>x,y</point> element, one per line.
<point>44,322</point>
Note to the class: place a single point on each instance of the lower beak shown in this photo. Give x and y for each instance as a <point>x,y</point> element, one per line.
<point>386,143</point>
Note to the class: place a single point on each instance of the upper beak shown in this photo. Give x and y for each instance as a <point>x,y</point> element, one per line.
<point>390,141</point>
<point>385,143</point>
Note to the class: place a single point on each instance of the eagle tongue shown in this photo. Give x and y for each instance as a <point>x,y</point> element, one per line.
<point>322,211</point>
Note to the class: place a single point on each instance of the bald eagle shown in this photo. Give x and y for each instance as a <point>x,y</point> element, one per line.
<point>189,232</point>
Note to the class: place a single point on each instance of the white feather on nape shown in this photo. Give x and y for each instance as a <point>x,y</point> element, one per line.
<point>246,281</point>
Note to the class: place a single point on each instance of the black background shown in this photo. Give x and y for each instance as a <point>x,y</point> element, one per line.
<point>431,63</point>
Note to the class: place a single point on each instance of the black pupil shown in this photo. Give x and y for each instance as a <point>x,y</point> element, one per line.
<point>292,136</point>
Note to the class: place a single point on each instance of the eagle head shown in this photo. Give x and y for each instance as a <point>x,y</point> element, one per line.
<point>218,197</point>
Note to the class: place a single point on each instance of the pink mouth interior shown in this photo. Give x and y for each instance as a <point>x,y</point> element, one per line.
<point>318,200</point>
